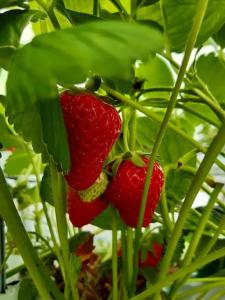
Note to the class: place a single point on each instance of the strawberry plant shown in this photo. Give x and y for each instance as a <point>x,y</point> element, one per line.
<point>112,134</point>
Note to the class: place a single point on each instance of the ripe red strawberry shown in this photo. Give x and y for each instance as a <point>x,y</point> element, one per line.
<point>92,128</point>
<point>126,188</point>
<point>82,213</point>
<point>152,257</point>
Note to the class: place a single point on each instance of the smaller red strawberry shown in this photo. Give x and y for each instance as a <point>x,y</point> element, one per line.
<point>152,257</point>
<point>126,188</point>
<point>82,213</point>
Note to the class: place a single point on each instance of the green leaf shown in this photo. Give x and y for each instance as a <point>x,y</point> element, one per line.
<point>27,290</point>
<point>7,138</point>
<point>104,220</point>
<point>12,24</point>
<point>6,54</point>
<point>146,2</point>
<point>172,148</point>
<point>179,16</point>
<point>151,13</point>
<point>17,162</point>
<point>75,17</point>
<point>65,57</point>
<point>46,187</point>
<point>155,72</point>
<point>212,71</point>
<point>219,37</point>
<point>8,3</point>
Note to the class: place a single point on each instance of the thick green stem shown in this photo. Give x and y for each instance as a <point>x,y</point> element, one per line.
<point>42,281</point>
<point>59,195</point>
<point>197,182</point>
<point>197,236</point>
<point>198,263</point>
<point>158,119</point>
<point>129,257</point>
<point>162,130</point>
<point>114,258</point>
<point>165,89</point>
<point>49,9</point>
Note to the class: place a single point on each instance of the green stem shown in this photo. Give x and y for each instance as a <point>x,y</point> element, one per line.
<point>133,129</point>
<point>8,211</point>
<point>198,263</point>
<point>156,118</point>
<point>59,196</point>
<point>114,257</point>
<point>129,257</point>
<point>126,117</point>
<point>164,89</point>
<point>162,130</point>
<point>197,236</point>
<point>201,225</point>
<point>209,223</point>
<point>197,182</point>
<point>214,106</point>
<point>96,8</point>
<point>213,240</point>
<point>49,9</point>
<point>124,255</point>
<point>165,213</point>
<point>218,295</point>
<point>199,289</point>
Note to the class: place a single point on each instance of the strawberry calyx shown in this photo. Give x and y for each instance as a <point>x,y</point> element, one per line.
<point>96,189</point>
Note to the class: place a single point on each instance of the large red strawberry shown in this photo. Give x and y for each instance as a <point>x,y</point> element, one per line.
<point>82,213</point>
<point>126,188</point>
<point>152,258</point>
<point>92,128</point>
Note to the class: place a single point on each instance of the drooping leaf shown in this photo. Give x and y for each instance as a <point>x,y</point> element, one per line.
<point>178,16</point>
<point>212,71</point>
<point>65,57</point>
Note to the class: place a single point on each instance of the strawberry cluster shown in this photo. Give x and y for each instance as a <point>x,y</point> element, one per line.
<point>93,127</point>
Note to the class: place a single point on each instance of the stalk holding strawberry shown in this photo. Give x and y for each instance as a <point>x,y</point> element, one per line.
<point>92,128</point>
<point>126,188</point>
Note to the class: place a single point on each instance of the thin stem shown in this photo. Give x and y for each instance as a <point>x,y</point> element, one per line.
<point>198,263</point>
<point>124,255</point>
<point>162,130</point>
<point>42,281</point>
<point>164,89</point>
<point>197,236</point>
<point>96,8</point>
<point>165,212</point>
<point>2,256</point>
<point>214,106</point>
<point>114,258</point>
<point>197,182</point>
<point>133,130</point>
<point>125,114</point>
